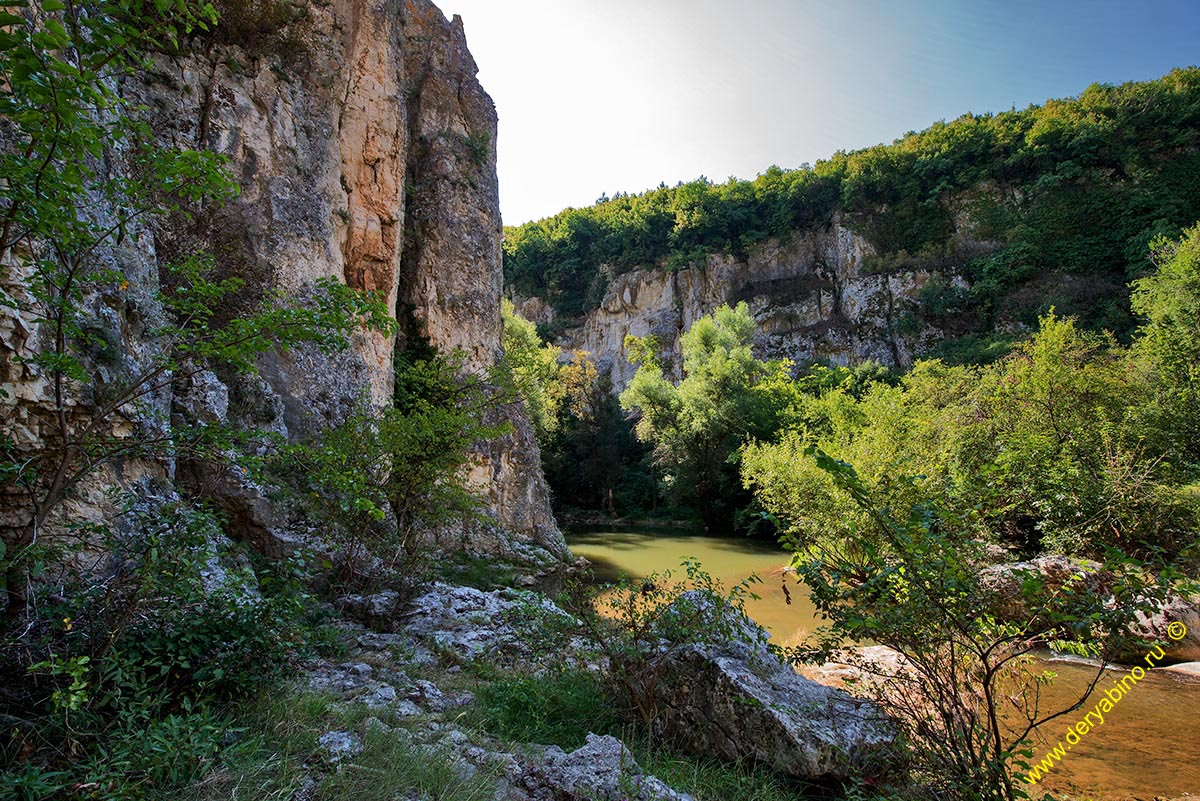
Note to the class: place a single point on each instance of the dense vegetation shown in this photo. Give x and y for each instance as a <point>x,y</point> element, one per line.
<point>129,638</point>
<point>1034,183</point>
<point>1072,443</point>
<point>590,456</point>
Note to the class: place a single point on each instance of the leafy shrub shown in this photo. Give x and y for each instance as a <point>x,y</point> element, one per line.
<point>639,624</point>
<point>966,689</point>
<point>382,479</point>
<point>129,681</point>
<point>1073,186</point>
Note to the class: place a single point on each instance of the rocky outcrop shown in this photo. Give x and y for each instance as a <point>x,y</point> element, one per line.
<point>736,700</point>
<point>1174,624</point>
<point>810,296</point>
<point>602,769</point>
<point>473,624</point>
<point>375,683</point>
<point>364,149</point>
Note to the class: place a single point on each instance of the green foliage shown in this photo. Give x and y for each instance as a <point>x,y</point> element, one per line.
<point>592,460</point>
<point>390,766</point>
<point>589,454</point>
<point>726,397</point>
<point>563,706</point>
<point>1168,342</point>
<point>137,662</point>
<point>258,26</point>
<point>383,478</point>
<point>715,780</point>
<point>909,578</point>
<point>1072,187</point>
<point>534,369</point>
<point>638,625</point>
<point>1055,446</point>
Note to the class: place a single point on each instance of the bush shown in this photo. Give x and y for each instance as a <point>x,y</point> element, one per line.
<point>127,686</point>
<point>965,689</point>
<point>639,624</point>
<point>381,480</point>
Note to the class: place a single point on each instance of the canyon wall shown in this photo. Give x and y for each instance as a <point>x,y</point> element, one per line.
<point>364,149</point>
<point>810,296</point>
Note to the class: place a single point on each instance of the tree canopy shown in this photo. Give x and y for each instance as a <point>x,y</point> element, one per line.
<point>1032,183</point>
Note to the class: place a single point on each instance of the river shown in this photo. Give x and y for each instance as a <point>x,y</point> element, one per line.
<point>1146,748</point>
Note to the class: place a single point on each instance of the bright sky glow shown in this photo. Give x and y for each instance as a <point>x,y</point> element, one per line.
<point>600,96</point>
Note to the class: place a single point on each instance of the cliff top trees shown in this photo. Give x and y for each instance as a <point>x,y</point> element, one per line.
<point>1035,182</point>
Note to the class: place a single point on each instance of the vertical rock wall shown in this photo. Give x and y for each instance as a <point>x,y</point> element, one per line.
<point>810,297</point>
<point>364,148</point>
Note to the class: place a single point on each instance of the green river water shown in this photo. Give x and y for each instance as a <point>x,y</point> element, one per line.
<point>1147,747</point>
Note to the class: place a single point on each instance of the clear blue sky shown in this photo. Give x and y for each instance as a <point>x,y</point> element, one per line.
<point>600,96</point>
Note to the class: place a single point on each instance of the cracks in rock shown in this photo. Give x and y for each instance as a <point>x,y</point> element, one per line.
<point>891,323</point>
<point>206,105</point>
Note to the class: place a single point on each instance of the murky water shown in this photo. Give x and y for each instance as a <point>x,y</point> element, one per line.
<point>729,560</point>
<point>1146,748</point>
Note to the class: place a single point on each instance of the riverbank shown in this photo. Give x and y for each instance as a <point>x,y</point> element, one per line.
<point>1135,757</point>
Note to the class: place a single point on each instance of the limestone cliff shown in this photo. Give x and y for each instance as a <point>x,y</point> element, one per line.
<point>810,296</point>
<point>364,147</point>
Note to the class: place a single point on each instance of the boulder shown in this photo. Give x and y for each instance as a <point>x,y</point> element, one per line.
<point>1005,581</point>
<point>1176,624</point>
<point>858,667</point>
<point>336,746</point>
<point>601,770</point>
<point>471,623</point>
<point>736,700</point>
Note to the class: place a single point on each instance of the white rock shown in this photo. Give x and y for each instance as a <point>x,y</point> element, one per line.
<point>339,745</point>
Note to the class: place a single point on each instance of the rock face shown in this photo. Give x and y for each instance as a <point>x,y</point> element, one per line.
<point>364,148</point>
<point>599,770</point>
<point>1174,624</point>
<point>472,624</point>
<point>738,701</point>
<point>810,296</point>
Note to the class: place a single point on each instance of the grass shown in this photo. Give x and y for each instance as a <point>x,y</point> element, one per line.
<point>562,708</point>
<point>277,759</point>
<point>390,768</point>
<point>482,573</point>
<point>712,779</point>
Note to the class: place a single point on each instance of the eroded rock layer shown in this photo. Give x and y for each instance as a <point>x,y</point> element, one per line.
<point>811,297</point>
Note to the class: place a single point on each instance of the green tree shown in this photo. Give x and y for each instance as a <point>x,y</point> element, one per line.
<point>383,479</point>
<point>593,460</point>
<point>534,367</point>
<point>725,398</point>
<point>964,686</point>
<point>1057,446</point>
<point>1168,300</point>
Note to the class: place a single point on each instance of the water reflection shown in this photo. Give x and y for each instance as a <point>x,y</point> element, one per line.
<point>730,560</point>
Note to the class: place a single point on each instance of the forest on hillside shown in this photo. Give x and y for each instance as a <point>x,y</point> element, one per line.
<point>1051,205</point>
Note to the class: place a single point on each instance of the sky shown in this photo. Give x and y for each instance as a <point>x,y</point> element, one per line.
<point>602,96</point>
